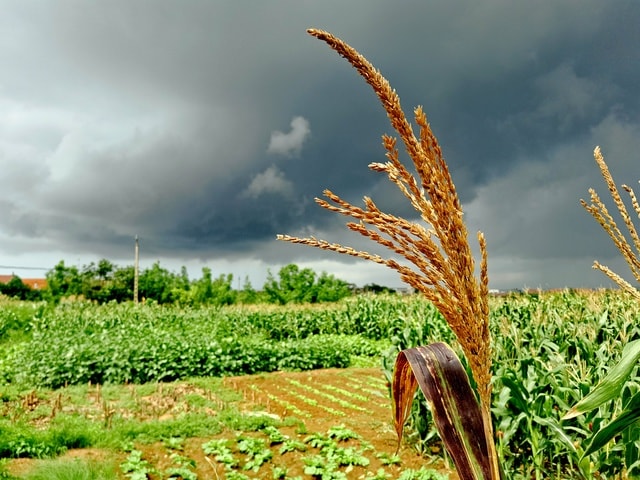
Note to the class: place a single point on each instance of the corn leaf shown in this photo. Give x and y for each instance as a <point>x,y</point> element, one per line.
<point>611,385</point>
<point>455,409</point>
<point>628,417</point>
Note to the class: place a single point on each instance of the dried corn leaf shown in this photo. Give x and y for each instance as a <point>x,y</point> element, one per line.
<point>456,411</point>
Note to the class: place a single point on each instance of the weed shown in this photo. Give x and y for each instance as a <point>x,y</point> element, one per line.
<point>72,470</point>
<point>4,474</point>
<point>387,459</point>
<point>421,474</point>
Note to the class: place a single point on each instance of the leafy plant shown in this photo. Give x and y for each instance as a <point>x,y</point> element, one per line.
<point>342,433</point>
<point>292,445</point>
<point>278,473</point>
<point>274,434</point>
<point>443,271</point>
<point>256,451</point>
<point>221,451</point>
<point>135,467</point>
<point>318,466</point>
<point>183,469</point>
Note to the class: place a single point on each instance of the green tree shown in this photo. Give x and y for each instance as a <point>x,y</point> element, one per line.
<point>182,291</point>
<point>121,286</point>
<point>16,288</point>
<point>157,283</point>
<point>92,286</point>
<point>293,285</point>
<point>209,291</point>
<point>105,269</point>
<point>302,285</point>
<point>63,281</point>
<point>248,293</point>
<point>202,289</point>
<point>331,289</point>
<point>222,292</point>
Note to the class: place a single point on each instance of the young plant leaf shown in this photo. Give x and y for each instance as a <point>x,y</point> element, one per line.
<point>456,411</point>
<point>611,385</point>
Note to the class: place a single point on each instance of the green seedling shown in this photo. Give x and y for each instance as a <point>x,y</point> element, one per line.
<point>387,459</point>
<point>342,433</point>
<point>221,452</point>
<point>275,436</point>
<point>135,467</point>
<point>256,451</point>
<point>291,445</point>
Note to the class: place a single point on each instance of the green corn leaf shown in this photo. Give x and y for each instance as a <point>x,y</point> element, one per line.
<point>518,397</point>
<point>558,431</point>
<point>610,386</point>
<point>456,411</point>
<point>628,417</point>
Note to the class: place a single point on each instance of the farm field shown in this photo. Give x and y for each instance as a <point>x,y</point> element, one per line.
<point>298,391</point>
<point>310,413</point>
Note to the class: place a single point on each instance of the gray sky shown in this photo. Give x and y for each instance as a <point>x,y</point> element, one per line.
<point>207,127</point>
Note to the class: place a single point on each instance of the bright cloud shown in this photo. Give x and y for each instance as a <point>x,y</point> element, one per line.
<point>272,180</point>
<point>290,144</point>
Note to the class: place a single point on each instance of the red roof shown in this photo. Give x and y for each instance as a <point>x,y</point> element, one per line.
<point>33,283</point>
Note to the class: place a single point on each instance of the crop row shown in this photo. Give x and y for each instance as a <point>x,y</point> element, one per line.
<point>121,343</point>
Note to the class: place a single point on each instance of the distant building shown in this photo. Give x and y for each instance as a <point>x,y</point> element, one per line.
<point>405,290</point>
<point>32,283</point>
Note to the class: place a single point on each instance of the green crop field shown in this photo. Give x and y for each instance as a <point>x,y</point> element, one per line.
<point>550,349</point>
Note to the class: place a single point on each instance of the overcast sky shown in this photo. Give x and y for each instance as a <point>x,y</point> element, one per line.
<point>208,127</point>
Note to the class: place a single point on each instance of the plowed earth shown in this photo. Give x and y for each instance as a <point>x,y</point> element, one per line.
<point>309,402</point>
<point>357,398</point>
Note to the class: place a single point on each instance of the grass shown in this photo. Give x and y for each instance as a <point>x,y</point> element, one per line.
<point>44,423</point>
<point>78,469</point>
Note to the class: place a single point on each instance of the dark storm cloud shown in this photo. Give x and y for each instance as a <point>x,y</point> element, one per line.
<point>208,127</point>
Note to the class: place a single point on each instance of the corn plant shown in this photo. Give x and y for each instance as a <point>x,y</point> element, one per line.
<point>438,263</point>
<point>612,387</point>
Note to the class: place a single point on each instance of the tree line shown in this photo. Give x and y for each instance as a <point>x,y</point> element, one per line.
<point>104,282</point>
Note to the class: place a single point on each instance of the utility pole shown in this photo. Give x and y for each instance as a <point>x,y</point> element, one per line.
<point>135,273</point>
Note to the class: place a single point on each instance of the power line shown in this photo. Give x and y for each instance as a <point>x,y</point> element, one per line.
<point>14,267</point>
